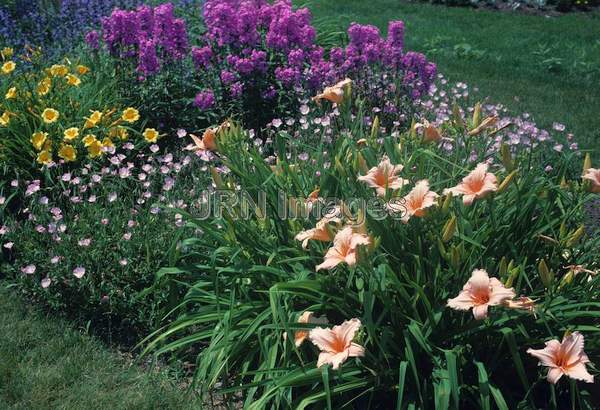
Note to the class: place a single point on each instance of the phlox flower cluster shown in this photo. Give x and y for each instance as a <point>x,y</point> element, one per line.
<point>259,58</point>
<point>151,35</point>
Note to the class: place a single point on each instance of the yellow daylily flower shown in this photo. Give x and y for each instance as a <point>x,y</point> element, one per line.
<point>8,67</point>
<point>89,140</point>
<point>94,149</point>
<point>93,119</point>
<point>43,87</point>
<point>82,70</point>
<point>67,152</point>
<point>71,133</point>
<point>50,115</point>
<point>107,143</point>
<point>73,80</point>
<point>150,135</point>
<point>44,157</point>
<point>130,115</point>
<point>7,52</point>
<point>38,139</point>
<point>5,119</point>
<point>59,70</point>
<point>11,93</point>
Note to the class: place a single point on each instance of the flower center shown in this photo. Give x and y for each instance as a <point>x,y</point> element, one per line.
<point>338,344</point>
<point>476,185</point>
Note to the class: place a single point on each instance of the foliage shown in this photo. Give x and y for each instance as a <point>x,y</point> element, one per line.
<point>46,362</point>
<point>248,280</point>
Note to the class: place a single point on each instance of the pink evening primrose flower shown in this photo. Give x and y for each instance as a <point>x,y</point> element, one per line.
<point>78,272</point>
<point>28,270</point>
<point>46,282</point>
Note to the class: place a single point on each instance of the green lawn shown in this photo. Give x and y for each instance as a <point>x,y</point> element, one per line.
<point>46,364</point>
<point>549,67</point>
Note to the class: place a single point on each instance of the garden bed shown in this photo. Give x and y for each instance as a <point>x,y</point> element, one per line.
<point>301,225</point>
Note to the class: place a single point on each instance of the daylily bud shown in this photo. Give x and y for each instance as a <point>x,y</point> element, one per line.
<point>476,115</point>
<point>546,275</point>
<point>375,242</point>
<point>375,128</point>
<point>447,202</point>
<point>511,277</point>
<point>506,157</point>
<point>456,116</point>
<point>339,167</point>
<point>502,267</point>
<point>361,163</point>
<point>216,178</point>
<point>442,249</point>
<point>567,279</point>
<point>575,236</point>
<point>506,181</point>
<point>413,129</point>
<point>563,183</point>
<point>587,162</point>
<point>362,221</point>
<point>455,257</point>
<point>449,229</point>
<point>562,230</point>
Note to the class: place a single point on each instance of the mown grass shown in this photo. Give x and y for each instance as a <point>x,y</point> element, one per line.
<point>546,66</point>
<point>46,364</point>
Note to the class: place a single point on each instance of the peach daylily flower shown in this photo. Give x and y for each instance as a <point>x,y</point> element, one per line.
<point>593,174</point>
<point>479,293</point>
<point>418,200</point>
<point>307,317</point>
<point>208,141</point>
<point>344,248</point>
<point>478,184</point>
<point>384,176</point>
<point>564,358</point>
<point>336,344</point>
<point>319,233</point>
<point>335,93</point>
<point>430,133</point>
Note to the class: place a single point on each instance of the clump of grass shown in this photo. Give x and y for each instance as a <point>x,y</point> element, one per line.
<point>45,364</point>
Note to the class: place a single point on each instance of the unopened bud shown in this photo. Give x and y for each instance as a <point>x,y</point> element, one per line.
<point>449,229</point>
<point>506,181</point>
<point>506,157</point>
<point>575,236</point>
<point>587,162</point>
<point>476,115</point>
<point>375,128</point>
<point>546,275</point>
